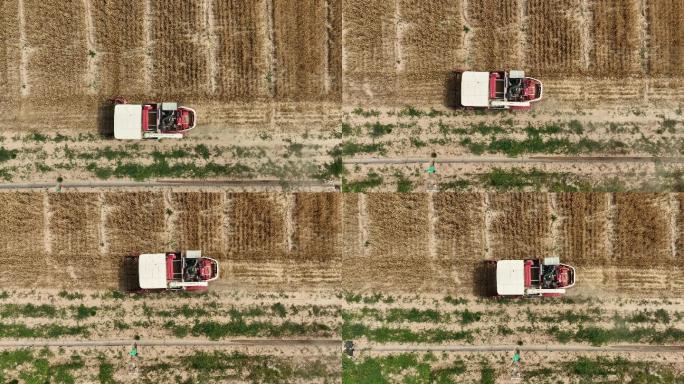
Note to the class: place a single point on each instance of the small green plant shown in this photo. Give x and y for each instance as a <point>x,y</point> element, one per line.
<point>70,295</point>
<point>91,53</point>
<point>416,142</point>
<point>7,154</point>
<point>83,312</point>
<point>373,180</point>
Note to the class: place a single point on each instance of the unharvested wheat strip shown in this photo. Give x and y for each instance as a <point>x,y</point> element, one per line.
<point>487,226</point>
<point>363,224</point>
<point>270,48</point>
<point>24,50</point>
<point>47,236</point>
<point>326,48</point>
<point>587,40</point>
<point>289,221</point>
<point>148,46</point>
<point>92,74</point>
<point>399,26</point>
<point>555,224</point>
<point>674,230</point>
<point>432,218</point>
<point>211,42</point>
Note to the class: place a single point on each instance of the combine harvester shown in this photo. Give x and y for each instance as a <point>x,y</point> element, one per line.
<point>533,277</point>
<point>497,90</point>
<point>152,120</point>
<point>189,271</point>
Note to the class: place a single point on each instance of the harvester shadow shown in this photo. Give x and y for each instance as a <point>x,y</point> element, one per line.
<point>484,276</point>
<point>128,275</point>
<point>105,119</point>
<point>452,89</point>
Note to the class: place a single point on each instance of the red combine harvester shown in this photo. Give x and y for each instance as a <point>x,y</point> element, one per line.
<point>189,271</point>
<point>497,90</point>
<point>533,277</point>
<point>152,120</point>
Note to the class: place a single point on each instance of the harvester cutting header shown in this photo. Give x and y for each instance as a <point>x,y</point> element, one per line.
<point>152,120</point>
<point>498,90</point>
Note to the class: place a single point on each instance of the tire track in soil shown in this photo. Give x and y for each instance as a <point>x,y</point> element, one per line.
<point>523,42</point>
<point>104,211</point>
<point>488,216</point>
<point>92,74</point>
<point>270,49</point>
<point>399,27</point>
<point>467,44</point>
<point>148,45</point>
<point>587,39</point>
<point>432,219</point>
<point>170,222</point>
<point>674,230</point>
<point>644,47</point>
<point>609,274</point>
<point>363,224</point>
<point>289,222</point>
<point>47,237</point>
<point>211,43</point>
<point>24,50</point>
<point>326,48</point>
<point>554,224</point>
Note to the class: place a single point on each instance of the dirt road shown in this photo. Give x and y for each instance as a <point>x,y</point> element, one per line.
<point>172,343</point>
<point>338,343</point>
<point>238,184</point>
<point>535,348</point>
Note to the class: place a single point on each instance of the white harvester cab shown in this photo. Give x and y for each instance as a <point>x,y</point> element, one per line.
<point>499,90</point>
<point>533,277</point>
<point>176,270</point>
<point>152,121</point>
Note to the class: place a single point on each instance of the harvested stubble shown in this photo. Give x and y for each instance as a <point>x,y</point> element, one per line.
<point>397,254</point>
<point>242,67</point>
<point>56,38</point>
<point>554,37</point>
<point>256,227</point>
<point>459,235</point>
<point>318,227</point>
<point>121,51</point>
<point>179,54</point>
<point>666,37</point>
<point>642,230</point>
<point>369,49</point>
<point>496,32</point>
<point>10,55</point>
<point>520,225</point>
<point>616,38</point>
<point>431,41</point>
<point>334,25</point>
<point>75,238</point>
<point>300,41</point>
<point>199,222</point>
<point>351,234</point>
<point>583,221</point>
<point>22,237</point>
<point>135,223</point>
